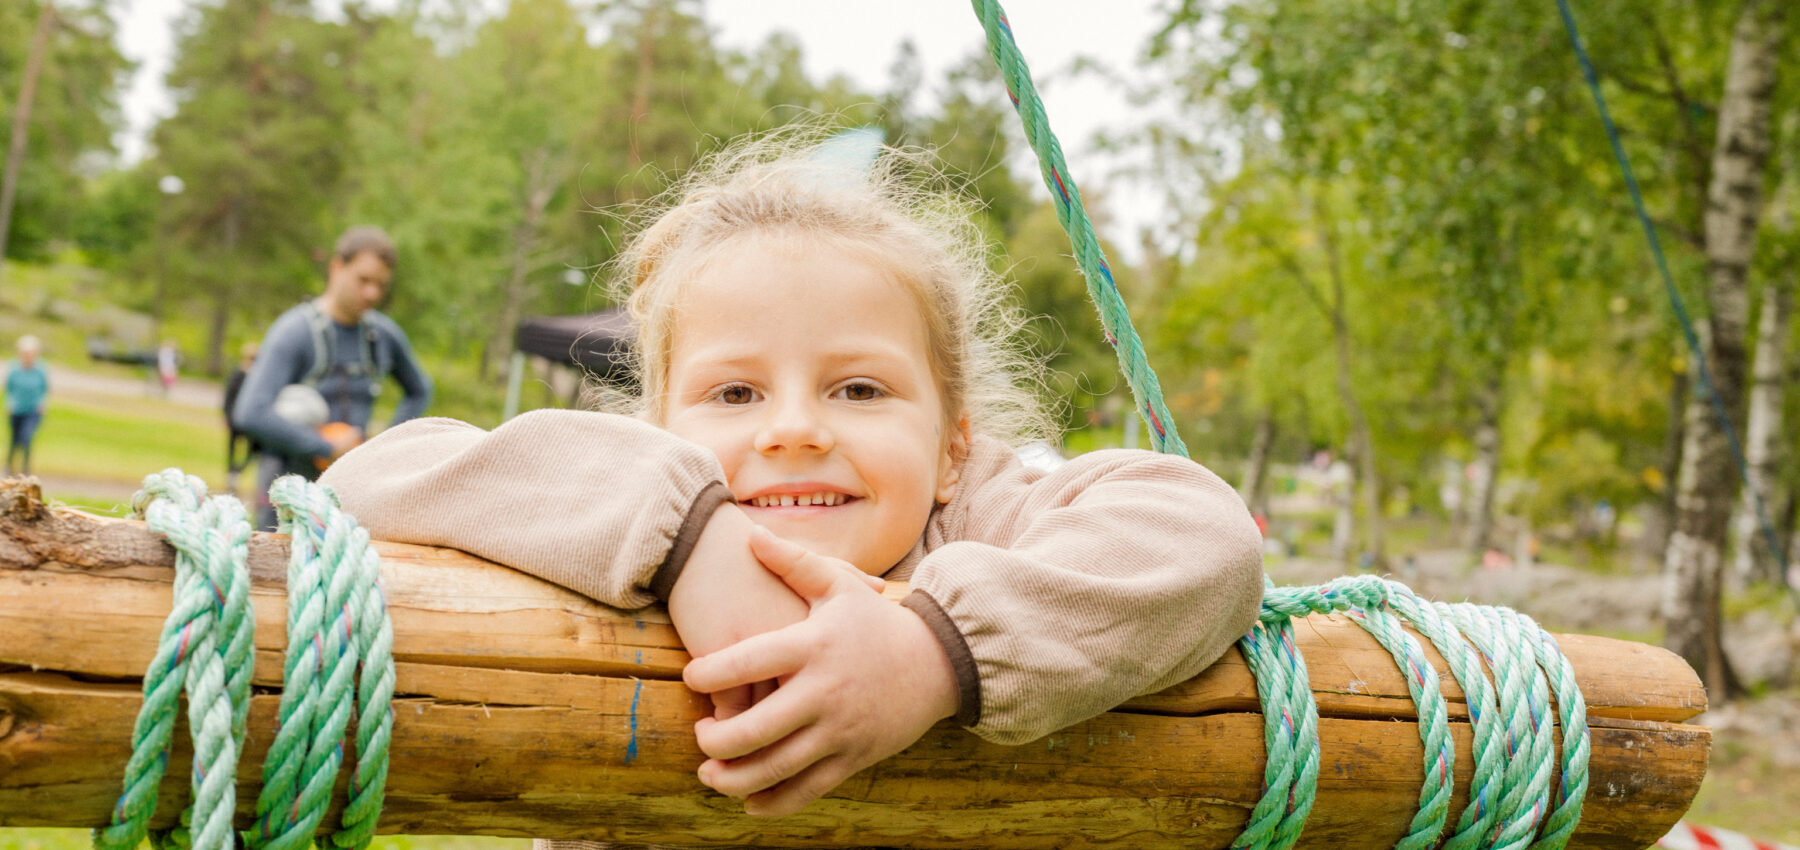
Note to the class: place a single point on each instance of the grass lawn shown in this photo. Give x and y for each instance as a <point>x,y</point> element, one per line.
<point>99,439</point>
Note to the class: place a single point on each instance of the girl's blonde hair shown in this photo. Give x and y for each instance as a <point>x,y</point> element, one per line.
<point>901,211</point>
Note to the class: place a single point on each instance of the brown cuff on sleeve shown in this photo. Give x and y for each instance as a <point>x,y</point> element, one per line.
<point>962,661</point>
<point>699,514</point>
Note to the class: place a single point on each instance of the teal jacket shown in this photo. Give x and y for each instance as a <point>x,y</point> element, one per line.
<point>26,386</point>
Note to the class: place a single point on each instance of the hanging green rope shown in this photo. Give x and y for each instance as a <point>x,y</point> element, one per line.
<point>337,622</point>
<point>1074,218</point>
<point>1510,804</point>
<point>206,649</point>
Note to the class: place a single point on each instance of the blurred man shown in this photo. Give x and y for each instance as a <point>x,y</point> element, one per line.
<point>343,349</point>
<point>27,386</point>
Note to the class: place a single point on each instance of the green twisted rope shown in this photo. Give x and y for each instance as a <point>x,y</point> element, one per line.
<point>337,621</point>
<point>1509,796</point>
<point>1290,733</point>
<point>1510,802</point>
<point>205,649</point>
<point>1114,316</point>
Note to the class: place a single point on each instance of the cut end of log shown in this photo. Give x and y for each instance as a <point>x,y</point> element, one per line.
<point>23,498</point>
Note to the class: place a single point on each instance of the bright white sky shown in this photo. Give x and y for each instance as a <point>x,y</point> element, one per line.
<point>858,38</point>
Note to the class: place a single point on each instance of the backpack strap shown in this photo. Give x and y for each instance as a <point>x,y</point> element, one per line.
<point>375,362</point>
<point>325,347</point>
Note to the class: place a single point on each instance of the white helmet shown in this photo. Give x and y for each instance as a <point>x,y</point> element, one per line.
<point>302,405</point>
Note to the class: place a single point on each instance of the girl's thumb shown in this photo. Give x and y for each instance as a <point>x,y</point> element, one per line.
<point>806,572</point>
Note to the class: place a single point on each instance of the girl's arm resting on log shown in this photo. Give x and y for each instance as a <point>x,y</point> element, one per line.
<point>604,505</point>
<point>1058,596</point>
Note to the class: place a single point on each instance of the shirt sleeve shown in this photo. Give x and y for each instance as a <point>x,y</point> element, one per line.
<point>410,374</point>
<point>284,358</point>
<point>1122,572</point>
<point>594,502</point>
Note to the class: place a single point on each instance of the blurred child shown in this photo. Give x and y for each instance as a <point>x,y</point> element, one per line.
<point>168,366</point>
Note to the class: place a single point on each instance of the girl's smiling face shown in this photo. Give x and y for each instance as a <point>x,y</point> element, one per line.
<point>805,368</point>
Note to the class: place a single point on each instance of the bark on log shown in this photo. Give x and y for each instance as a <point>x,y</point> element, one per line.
<point>525,709</point>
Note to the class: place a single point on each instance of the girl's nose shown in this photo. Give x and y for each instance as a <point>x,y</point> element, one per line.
<point>794,425</point>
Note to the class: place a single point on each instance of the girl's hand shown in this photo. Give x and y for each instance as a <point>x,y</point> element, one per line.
<point>725,595</point>
<point>861,679</point>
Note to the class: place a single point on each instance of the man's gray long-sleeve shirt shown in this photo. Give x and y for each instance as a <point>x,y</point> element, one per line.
<point>287,355</point>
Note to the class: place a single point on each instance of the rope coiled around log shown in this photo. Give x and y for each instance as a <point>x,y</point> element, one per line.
<point>337,624</point>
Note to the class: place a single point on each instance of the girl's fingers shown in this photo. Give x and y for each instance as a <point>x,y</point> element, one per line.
<point>770,655</point>
<point>875,583</point>
<point>800,790</point>
<point>765,769</point>
<point>731,702</point>
<point>764,725</point>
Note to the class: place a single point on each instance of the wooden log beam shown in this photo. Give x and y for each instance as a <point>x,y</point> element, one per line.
<point>524,709</point>
<point>617,761</point>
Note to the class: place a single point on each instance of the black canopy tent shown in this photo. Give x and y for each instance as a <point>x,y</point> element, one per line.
<point>598,343</point>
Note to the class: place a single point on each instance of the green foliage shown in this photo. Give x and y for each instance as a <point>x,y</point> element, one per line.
<point>258,138</point>
<point>117,222</point>
<point>1065,328</point>
<point>1435,166</point>
<point>73,116</point>
<point>1445,157</point>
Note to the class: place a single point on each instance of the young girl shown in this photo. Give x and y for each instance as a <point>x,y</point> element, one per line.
<point>826,393</point>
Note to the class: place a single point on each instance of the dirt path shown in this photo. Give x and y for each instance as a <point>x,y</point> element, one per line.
<point>190,392</point>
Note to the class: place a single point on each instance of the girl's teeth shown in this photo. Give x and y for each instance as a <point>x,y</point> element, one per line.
<point>800,500</point>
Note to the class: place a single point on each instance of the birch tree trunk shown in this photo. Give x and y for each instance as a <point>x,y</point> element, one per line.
<point>231,232</point>
<point>1763,436</point>
<point>1255,489</point>
<point>1361,444</point>
<point>542,177</point>
<point>1662,522</point>
<point>1487,469</point>
<point>1694,561</point>
<point>21,125</point>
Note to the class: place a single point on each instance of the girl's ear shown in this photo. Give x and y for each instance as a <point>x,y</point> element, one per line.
<point>950,466</point>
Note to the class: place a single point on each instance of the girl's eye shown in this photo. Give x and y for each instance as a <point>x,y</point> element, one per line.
<point>737,394</point>
<point>861,391</point>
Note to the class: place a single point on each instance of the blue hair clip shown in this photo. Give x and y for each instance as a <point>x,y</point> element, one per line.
<point>847,156</point>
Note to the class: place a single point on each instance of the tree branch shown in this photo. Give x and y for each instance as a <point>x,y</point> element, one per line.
<point>1693,145</point>
<point>1289,262</point>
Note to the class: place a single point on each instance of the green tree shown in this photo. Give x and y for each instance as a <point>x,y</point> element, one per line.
<point>259,139</point>
<point>64,129</point>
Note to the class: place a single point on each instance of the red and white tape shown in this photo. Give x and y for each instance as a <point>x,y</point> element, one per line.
<point>1692,836</point>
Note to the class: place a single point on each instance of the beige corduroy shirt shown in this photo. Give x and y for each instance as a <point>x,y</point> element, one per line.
<point>1056,595</point>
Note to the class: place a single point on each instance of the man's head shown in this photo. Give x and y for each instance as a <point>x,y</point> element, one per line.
<point>362,264</point>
